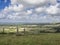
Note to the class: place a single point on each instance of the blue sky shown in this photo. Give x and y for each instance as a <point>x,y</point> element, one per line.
<point>34,11</point>
<point>3,4</point>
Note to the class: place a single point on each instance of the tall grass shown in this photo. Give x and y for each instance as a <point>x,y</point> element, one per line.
<point>41,39</point>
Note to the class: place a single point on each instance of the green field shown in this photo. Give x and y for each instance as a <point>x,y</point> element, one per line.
<point>33,35</point>
<point>41,39</point>
<point>53,28</point>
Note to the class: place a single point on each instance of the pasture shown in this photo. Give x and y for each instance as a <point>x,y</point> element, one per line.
<point>30,35</point>
<point>41,39</point>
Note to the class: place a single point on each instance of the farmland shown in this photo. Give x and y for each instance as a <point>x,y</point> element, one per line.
<point>30,34</point>
<point>41,39</point>
<point>53,28</point>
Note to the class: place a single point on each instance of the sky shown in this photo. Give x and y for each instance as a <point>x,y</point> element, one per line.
<point>30,11</point>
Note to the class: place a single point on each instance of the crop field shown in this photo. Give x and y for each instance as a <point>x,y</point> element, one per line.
<point>30,35</point>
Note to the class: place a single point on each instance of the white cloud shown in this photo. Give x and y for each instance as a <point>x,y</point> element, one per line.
<point>35,1</point>
<point>53,2</point>
<point>14,8</point>
<point>14,16</point>
<point>31,10</point>
<point>2,15</point>
<point>53,9</point>
<point>40,9</point>
<point>14,2</point>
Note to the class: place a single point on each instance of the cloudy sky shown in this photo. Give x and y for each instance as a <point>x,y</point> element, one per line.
<point>34,11</point>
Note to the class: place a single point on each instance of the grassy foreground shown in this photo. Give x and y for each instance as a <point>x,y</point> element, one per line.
<point>41,39</point>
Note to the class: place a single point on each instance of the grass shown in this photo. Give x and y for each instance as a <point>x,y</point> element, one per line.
<point>41,39</point>
<point>35,38</point>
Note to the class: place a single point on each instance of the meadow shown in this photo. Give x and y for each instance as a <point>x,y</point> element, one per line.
<point>41,39</point>
<point>30,35</point>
